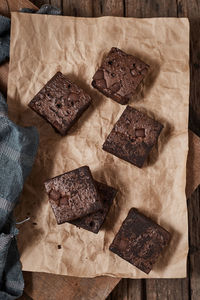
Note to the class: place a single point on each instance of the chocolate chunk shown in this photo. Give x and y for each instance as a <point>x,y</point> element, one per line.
<point>79,195</point>
<point>94,221</point>
<point>133,136</point>
<point>101,83</point>
<point>140,132</point>
<point>98,75</point>
<point>122,73</point>
<point>110,80</point>
<point>140,241</point>
<point>60,102</point>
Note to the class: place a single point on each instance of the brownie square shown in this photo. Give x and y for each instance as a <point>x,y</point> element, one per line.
<point>133,136</point>
<point>94,221</point>
<point>119,75</point>
<point>60,102</point>
<point>140,241</point>
<point>73,195</point>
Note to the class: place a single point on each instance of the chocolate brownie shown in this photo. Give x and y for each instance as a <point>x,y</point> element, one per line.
<point>133,136</point>
<point>73,195</point>
<point>60,102</point>
<point>94,221</point>
<point>140,241</point>
<point>119,75</point>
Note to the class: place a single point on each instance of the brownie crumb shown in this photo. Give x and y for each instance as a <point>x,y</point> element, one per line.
<point>59,247</point>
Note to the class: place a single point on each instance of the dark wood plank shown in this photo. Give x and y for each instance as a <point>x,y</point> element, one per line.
<point>192,10</point>
<point>79,8</point>
<point>193,174</point>
<point>38,3</point>
<point>128,289</point>
<point>149,8</point>
<point>6,6</point>
<point>194,117</point>
<point>108,8</point>
<point>194,254</point>
<point>57,3</point>
<point>167,289</point>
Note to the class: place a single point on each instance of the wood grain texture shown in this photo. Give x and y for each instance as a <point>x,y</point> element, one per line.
<point>149,8</point>
<point>193,173</point>
<point>167,289</point>
<point>192,10</point>
<point>108,8</point>
<point>77,9</point>
<point>194,254</point>
<point>56,3</point>
<point>41,286</point>
<point>128,289</point>
<point>6,6</point>
<point>38,3</point>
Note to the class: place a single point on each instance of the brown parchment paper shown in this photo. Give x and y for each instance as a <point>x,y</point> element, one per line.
<point>42,45</point>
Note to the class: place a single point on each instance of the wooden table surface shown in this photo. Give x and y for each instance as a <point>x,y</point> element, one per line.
<point>160,289</point>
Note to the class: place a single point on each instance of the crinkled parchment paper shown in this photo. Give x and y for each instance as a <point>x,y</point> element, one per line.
<point>42,45</point>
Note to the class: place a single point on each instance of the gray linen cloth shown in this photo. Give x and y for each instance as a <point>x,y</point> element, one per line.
<point>18,147</point>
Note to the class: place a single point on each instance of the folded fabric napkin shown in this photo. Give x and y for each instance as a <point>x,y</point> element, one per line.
<point>18,147</point>
<point>4,38</point>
